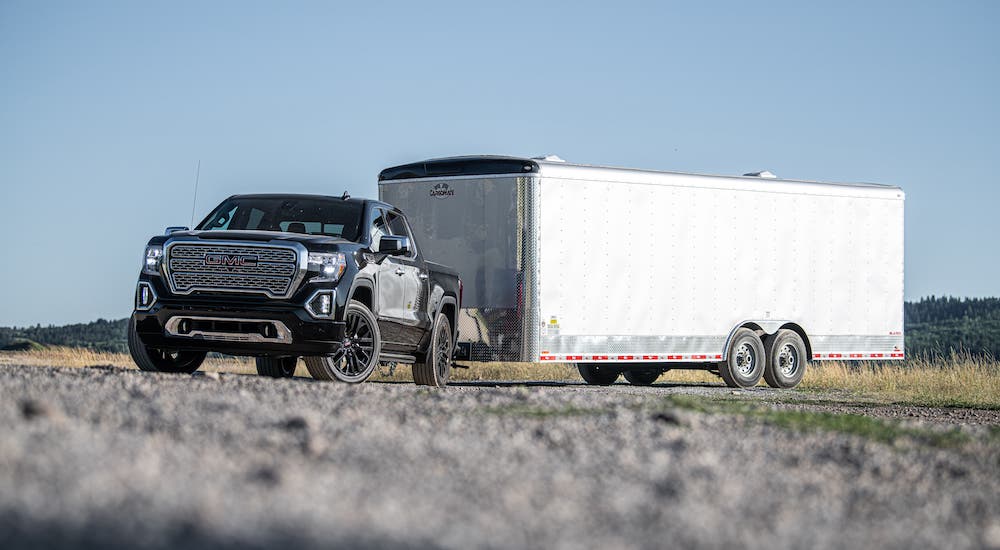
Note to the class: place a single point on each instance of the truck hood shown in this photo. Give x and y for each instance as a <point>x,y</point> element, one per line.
<point>310,241</point>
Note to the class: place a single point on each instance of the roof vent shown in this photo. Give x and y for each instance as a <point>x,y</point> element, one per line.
<point>549,158</point>
<point>761,174</point>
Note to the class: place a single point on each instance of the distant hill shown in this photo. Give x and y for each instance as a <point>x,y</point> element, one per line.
<point>99,335</point>
<point>934,326</point>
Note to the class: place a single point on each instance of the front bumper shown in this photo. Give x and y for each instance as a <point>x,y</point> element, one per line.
<point>228,324</point>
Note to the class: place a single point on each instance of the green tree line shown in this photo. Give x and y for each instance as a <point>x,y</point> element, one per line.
<point>939,325</point>
<point>933,325</point>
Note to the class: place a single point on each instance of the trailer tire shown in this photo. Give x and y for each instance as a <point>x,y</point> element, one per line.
<point>786,359</point>
<point>435,369</point>
<point>596,374</point>
<point>642,377</point>
<point>155,360</point>
<point>744,364</point>
<point>276,367</point>
<point>365,346</point>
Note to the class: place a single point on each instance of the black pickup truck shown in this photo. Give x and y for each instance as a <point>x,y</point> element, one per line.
<point>339,282</point>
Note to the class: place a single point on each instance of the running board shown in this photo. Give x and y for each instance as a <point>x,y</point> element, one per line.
<point>396,358</point>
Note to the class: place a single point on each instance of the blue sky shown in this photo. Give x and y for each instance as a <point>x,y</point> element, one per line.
<point>106,108</point>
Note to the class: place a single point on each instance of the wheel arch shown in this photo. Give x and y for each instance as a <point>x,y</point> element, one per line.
<point>449,307</point>
<point>364,292</point>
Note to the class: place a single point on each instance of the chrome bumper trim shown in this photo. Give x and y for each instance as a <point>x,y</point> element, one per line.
<point>282,334</point>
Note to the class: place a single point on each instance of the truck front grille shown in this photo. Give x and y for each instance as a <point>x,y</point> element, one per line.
<point>265,269</point>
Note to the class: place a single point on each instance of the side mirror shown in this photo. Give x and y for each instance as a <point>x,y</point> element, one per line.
<point>394,246</point>
<point>174,229</point>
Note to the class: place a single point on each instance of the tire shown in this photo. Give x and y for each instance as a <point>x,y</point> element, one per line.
<point>155,360</point>
<point>435,369</point>
<point>277,367</point>
<point>744,364</point>
<point>357,357</point>
<point>642,377</point>
<point>597,374</point>
<point>786,359</point>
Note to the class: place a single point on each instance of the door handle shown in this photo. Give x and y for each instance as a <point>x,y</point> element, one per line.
<point>400,271</point>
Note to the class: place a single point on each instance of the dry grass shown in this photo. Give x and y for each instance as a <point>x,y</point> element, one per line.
<point>81,357</point>
<point>959,380</point>
<point>956,381</point>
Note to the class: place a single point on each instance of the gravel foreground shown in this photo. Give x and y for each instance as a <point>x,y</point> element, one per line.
<point>114,458</point>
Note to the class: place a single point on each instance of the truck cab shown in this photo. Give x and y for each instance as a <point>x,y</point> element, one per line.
<point>337,281</point>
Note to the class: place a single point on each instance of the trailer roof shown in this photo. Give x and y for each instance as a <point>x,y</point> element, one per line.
<point>475,165</point>
<point>460,166</point>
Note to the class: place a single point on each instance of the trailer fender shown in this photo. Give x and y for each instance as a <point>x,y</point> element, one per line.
<point>766,326</point>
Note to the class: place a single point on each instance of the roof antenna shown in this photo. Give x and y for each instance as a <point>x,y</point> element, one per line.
<point>345,196</point>
<point>194,201</point>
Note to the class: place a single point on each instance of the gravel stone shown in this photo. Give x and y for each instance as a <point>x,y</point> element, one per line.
<point>148,460</point>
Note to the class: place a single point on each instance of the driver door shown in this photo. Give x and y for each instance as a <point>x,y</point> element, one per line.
<point>394,282</point>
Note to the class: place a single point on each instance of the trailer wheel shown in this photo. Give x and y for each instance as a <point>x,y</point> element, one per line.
<point>786,359</point>
<point>597,374</point>
<point>435,369</point>
<point>156,360</point>
<point>744,365</point>
<point>276,367</point>
<point>357,358</point>
<point>642,377</point>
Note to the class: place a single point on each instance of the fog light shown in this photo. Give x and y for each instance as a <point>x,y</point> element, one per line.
<point>320,304</point>
<point>145,297</point>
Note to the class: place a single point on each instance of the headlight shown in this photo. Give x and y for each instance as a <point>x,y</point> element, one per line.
<point>151,265</point>
<point>330,265</point>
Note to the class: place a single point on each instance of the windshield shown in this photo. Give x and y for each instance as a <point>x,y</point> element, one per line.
<point>310,216</point>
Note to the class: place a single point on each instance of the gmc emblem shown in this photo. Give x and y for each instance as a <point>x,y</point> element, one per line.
<point>231,259</point>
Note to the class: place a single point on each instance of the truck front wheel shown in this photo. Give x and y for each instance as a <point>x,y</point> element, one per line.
<point>357,357</point>
<point>436,367</point>
<point>276,367</point>
<point>155,360</point>
<point>786,359</point>
<point>744,364</point>
<point>597,374</point>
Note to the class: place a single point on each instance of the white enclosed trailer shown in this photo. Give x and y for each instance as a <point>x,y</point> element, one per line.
<point>638,271</point>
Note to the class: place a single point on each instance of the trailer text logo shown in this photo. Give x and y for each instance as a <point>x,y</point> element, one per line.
<point>231,260</point>
<point>442,190</point>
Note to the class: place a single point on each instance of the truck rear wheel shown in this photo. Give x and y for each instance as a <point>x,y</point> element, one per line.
<point>597,374</point>
<point>435,369</point>
<point>357,357</point>
<point>744,364</point>
<point>786,359</point>
<point>277,367</point>
<point>155,360</point>
<point>642,377</point>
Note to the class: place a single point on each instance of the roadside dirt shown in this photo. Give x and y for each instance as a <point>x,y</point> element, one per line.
<point>107,457</point>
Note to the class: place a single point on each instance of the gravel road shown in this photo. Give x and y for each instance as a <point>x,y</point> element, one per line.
<point>107,457</point>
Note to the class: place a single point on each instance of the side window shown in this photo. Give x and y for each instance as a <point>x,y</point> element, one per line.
<point>379,227</point>
<point>397,224</point>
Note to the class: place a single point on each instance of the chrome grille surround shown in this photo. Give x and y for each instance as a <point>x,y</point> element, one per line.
<point>277,273</point>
